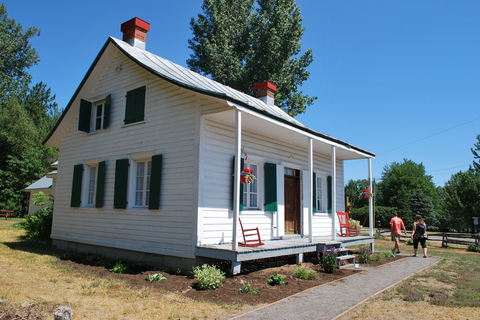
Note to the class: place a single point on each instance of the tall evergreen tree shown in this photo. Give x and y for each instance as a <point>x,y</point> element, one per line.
<point>476,155</point>
<point>16,56</point>
<point>243,42</point>
<point>27,115</point>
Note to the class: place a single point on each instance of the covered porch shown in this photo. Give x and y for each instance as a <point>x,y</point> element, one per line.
<point>297,246</point>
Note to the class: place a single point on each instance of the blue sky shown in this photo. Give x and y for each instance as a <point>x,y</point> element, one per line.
<point>398,78</point>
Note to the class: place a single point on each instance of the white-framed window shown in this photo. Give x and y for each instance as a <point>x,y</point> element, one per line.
<point>92,182</point>
<point>321,193</point>
<point>251,191</point>
<point>98,116</point>
<point>143,171</point>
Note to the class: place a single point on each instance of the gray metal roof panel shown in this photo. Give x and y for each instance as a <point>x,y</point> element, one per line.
<point>42,183</point>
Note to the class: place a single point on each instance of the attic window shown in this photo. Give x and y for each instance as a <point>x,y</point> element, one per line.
<point>94,116</point>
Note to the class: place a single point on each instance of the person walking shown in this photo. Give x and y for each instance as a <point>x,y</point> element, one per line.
<point>419,234</point>
<point>396,226</point>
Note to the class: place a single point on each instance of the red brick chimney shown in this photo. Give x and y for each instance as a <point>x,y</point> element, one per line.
<point>135,32</point>
<point>265,91</point>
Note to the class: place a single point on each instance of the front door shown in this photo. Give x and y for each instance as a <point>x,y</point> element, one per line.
<point>292,201</point>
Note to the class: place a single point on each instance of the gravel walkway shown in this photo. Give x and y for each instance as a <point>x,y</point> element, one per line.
<point>333,300</point>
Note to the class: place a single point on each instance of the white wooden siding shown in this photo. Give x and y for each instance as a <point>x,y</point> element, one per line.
<point>170,128</point>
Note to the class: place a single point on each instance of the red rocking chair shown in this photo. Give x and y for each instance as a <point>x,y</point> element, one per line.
<point>251,237</point>
<point>346,230</point>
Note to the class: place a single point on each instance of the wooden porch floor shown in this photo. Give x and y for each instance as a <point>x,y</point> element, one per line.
<point>276,248</point>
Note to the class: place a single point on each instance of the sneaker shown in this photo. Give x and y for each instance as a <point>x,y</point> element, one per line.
<point>424,256</point>
<point>398,252</point>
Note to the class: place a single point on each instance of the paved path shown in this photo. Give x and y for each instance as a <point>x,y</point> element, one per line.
<point>332,300</point>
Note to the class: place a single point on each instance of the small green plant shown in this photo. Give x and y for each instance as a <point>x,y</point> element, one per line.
<point>390,254</point>
<point>328,259</point>
<point>276,280</point>
<point>119,268</point>
<point>409,242</point>
<point>364,255</point>
<point>474,248</point>
<point>208,277</point>
<point>156,277</point>
<point>377,257</point>
<point>304,273</point>
<point>249,289</point>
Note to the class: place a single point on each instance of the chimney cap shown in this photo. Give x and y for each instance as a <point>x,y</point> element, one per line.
<point>266,84</point>
<point>135,22</point>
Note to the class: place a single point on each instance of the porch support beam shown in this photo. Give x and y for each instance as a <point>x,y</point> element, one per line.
<point>236,187</point>
<point>310,185</point>
<point>334,193</point>
<point>370,202</point>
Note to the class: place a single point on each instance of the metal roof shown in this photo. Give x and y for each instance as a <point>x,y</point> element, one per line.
<point>43,183</point>
<point>187,78</point>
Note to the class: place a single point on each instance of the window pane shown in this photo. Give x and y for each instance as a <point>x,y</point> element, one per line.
<point>253,201</point>
<point>91,185</point>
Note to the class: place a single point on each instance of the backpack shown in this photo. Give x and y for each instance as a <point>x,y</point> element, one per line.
<point>420,231</point>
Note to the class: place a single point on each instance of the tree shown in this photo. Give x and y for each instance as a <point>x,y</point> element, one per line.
<point>421,203</point>
<point>476,155</point>
<point>27,115</point>
<point>461,199</point>
<point>239,43</point>
<point>16,56</point>
<point>353,191</point>
<point>399,182</point>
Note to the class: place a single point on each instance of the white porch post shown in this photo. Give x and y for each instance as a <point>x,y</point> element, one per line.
<point>334,193</point>
<point>310,184</point>
<point>370,203</point>
<point>370,200</point>
<point>236,187</point>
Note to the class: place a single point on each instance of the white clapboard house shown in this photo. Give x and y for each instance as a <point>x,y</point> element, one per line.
<point>150,161</point>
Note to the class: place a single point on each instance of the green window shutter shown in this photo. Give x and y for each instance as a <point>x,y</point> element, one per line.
<point>106,111</point>
<point>121,184</point>
<point>135,105</point>
<point>329,196</point>
<point>84,115</point>
<point>271,187</point>
<point>100,185</point>
<point>155,182</point>
<point>76,198</point>
<point>314,193</point>
<point>242,163</point>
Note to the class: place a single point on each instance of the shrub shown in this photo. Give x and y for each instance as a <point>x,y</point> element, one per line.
<point>474,248</point>
<point>377,257</point>
<point>304,273</point>
<point>328,259</point>
<point>208,277</point>
<point>249,289</point>
<point>276,280</point>
<point>390,254</point>
<point>364,255</point>
<point>156,277</point>
<point>119,268</point>
<point>39,225</point>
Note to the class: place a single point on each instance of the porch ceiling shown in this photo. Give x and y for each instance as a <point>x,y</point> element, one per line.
<point>279,131</point>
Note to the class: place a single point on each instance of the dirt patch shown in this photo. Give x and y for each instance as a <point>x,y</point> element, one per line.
<point>255,273</point>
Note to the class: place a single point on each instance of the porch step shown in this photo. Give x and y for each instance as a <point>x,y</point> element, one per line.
<point>345,260</point>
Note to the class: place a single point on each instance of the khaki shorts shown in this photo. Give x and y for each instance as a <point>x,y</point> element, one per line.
<point>395,237</point>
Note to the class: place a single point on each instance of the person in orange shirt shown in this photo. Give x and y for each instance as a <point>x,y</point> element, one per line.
<point>396,225</point>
